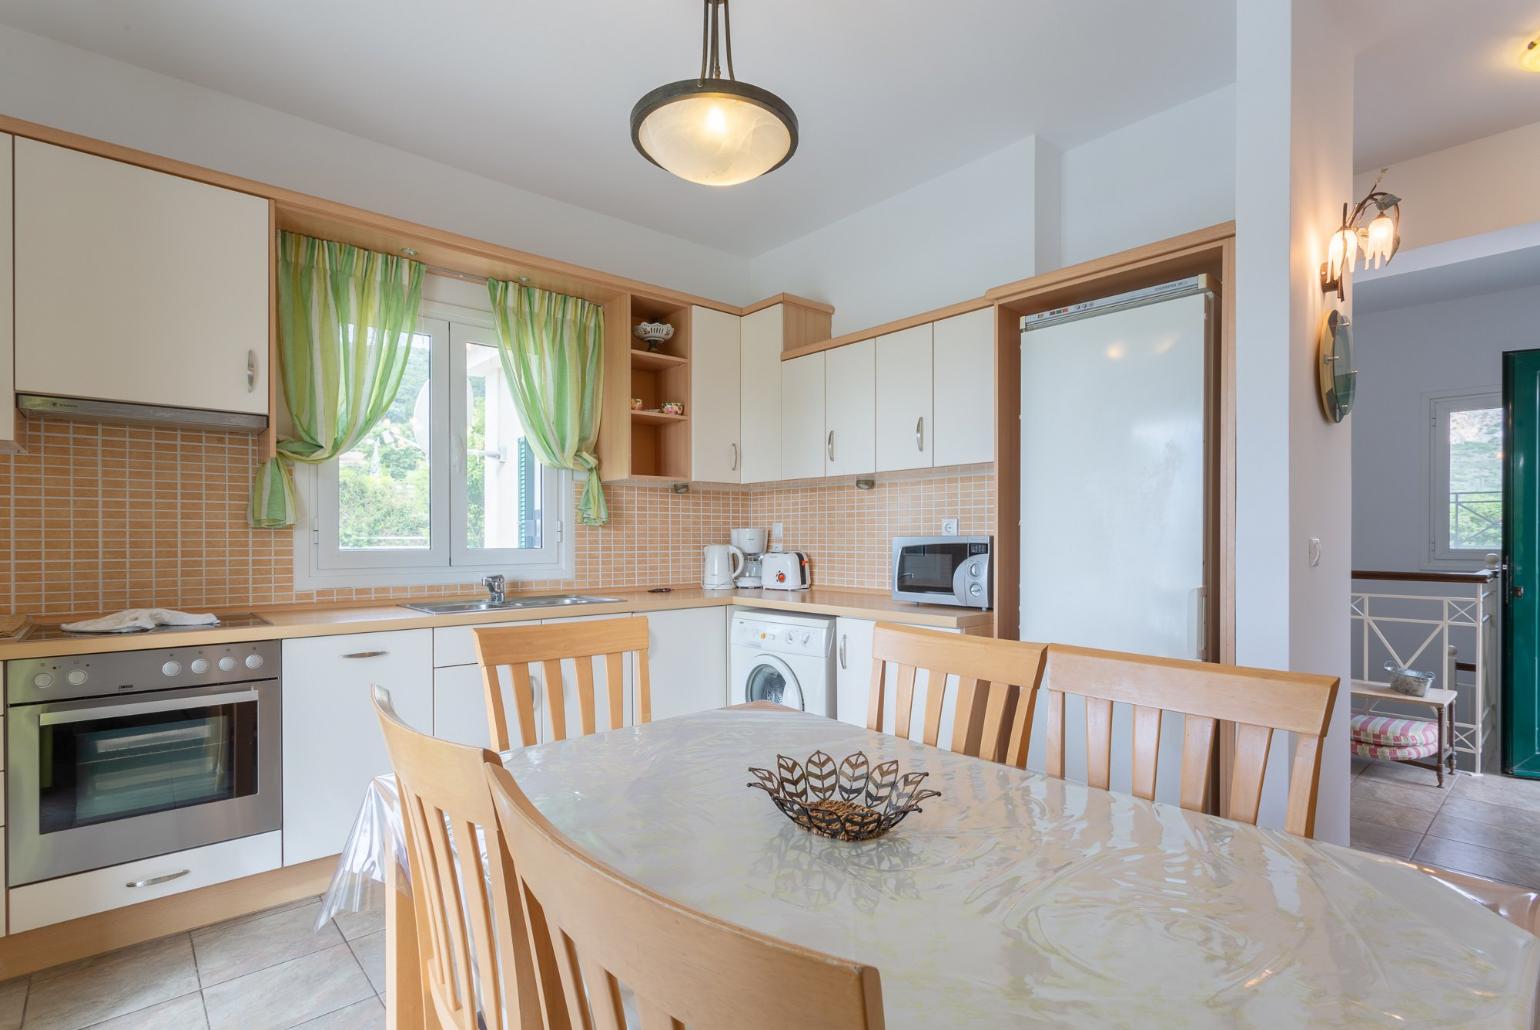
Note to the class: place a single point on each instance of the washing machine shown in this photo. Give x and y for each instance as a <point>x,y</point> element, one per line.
<point>782,658</point>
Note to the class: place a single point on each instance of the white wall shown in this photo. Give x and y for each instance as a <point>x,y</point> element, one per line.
<point>1465,190</point>
<point>1403,355</point>
<point>942,241</point>
<point>1168,174</point>
<point>69,88</point>
<point>1294,146</point>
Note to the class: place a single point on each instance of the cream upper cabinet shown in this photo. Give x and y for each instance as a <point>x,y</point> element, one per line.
<point>905,428</point>
<point>762,334</point>
<point>716,455</point>
<point>7,364</point>
<point>850,409</point>
<point>138,286</point>
<point>964,393</point>
<point>802,417</point>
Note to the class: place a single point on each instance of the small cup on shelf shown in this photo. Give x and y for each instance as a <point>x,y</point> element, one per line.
<point>673,407</point>
<point>636,404</point>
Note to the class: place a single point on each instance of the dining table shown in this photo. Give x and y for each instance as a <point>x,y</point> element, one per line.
<point>1012,898</point>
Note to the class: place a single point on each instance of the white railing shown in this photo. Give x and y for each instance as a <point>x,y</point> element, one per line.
<point>1451,630</point>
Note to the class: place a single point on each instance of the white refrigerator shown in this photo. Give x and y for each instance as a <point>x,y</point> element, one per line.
<point>1114,488</point>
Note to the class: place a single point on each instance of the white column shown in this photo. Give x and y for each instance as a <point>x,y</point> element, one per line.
<point>1294,164</point>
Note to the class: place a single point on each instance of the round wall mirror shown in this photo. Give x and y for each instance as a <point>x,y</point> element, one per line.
<point>1338,377</point>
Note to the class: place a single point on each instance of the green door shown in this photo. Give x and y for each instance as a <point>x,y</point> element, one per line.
<point>1521,554</point>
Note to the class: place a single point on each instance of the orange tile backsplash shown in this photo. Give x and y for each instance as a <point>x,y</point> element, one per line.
<point>95,518</point>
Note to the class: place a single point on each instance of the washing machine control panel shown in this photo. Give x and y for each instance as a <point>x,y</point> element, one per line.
<point>781,637</point>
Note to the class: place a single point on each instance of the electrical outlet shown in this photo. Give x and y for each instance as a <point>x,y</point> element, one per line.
<point>949,526</point>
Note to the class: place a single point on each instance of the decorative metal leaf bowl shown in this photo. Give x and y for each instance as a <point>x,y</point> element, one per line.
<point>851,801</point>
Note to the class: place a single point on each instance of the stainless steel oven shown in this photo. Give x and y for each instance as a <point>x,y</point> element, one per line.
<point>943,570</point>
<point>131,754</point>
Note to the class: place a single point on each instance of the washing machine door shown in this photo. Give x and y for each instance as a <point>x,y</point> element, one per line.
<point>771,679</point>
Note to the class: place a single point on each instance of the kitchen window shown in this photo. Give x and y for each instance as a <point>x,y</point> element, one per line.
<point>1467,480</point>
<point>445,487</point>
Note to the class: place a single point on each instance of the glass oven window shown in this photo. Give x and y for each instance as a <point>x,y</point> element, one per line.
<point>97,770</point>
<point>928,569</point>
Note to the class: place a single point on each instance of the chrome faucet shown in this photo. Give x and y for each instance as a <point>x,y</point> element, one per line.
<point>495,586</point>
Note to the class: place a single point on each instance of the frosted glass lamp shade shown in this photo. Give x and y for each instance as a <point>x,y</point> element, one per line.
<point>715,132</point>
<point>1381,241</point>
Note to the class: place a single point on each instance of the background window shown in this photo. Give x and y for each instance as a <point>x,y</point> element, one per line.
<point>446,480</point>
<point>1467,486</point>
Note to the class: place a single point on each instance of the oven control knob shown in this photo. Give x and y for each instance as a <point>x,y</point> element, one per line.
<point>200,665</point>
<point>253,661</point>
<point>171,668</point>
<point>974,569</point>
<point>43,680</point>
<point>227,664</point>
<point>76,677</point>
<point>975,590</point>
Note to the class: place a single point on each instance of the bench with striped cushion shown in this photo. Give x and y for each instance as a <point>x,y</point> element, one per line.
<point>1395,737</point>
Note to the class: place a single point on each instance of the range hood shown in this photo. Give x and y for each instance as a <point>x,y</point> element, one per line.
<point>36,406</point>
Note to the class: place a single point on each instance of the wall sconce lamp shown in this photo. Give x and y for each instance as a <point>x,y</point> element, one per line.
<point>1376,243</point>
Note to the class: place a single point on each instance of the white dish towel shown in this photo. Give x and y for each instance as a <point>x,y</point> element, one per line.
<point>135,620</point>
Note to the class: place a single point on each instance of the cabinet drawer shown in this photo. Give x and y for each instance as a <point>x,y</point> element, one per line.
<point>70,897</point>
<point>456,645</point>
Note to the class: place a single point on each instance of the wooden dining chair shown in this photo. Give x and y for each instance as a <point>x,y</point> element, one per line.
<point>1259,702</point>
<point>520,648</point>
<point>992,705</point>
<point>682,967</point>
<point>473,951</point>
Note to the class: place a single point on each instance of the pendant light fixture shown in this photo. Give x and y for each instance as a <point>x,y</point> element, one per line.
<point>712,130</point>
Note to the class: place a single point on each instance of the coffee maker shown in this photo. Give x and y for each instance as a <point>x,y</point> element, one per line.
<point>752,543</point>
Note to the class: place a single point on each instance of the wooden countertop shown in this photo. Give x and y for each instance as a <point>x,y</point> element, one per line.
<point>285,623</point>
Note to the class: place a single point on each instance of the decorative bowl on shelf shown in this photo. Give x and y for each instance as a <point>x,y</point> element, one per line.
<point>654,333</point>
<point>636,404</point>
<point>851,801</point>
<point>673,407</point>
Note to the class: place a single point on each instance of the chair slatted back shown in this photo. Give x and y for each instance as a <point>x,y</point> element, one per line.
<point>995,697</point>
<point>684,968</point>
<point>471,932</point>
<point>1260,702</point>
<point>520,648</point>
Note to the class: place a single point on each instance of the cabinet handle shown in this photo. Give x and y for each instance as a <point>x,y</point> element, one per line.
<point>251,371</point>
<point>843,638</point>
<point>919,434</point>
<point>830,445</point>
<point>735,457</point>
<point>366,654</point>
<point>151,881</point>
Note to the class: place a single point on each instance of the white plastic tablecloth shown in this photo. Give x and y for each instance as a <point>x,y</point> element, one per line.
<point>1015,899</point>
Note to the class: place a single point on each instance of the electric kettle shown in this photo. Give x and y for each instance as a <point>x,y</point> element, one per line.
<point>723,562</point>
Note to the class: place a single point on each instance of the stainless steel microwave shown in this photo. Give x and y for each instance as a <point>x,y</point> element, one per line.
<point>944,570</point>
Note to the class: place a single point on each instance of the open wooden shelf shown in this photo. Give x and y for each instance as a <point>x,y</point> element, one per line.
<point>654,361</point>
<point>657,417</point>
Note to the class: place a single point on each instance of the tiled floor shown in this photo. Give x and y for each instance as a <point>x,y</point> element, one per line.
<point>1485,825</point>
<point>261,972</point>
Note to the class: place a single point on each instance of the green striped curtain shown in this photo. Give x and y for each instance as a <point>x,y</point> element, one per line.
<point>552,350</point>
<point>345,318</point>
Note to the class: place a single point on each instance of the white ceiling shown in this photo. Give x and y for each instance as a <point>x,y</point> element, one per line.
<point>538,94</point>
<point>1434,73</point>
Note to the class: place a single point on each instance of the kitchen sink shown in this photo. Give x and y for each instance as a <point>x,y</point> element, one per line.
<point>511,604</point>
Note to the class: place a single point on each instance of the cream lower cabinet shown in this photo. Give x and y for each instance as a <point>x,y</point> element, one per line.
<point>853,681</point>
<point>850,409</point>
<point>802,417</point>
<point>332,745</point>
<point>716,454</point>
<point>963,396</point>
<point>134,285</point>
<point>904,424</point>
<point>762,335</point>
<point>687,666</point>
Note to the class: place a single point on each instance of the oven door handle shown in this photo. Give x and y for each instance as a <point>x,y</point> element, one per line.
<point>169,704</point>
